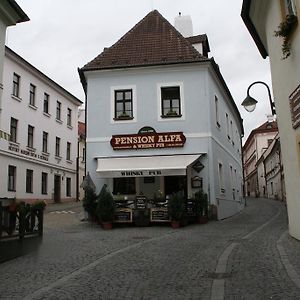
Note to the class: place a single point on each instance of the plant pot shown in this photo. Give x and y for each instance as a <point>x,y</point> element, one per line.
<point>175,224</point>
<point>202,220</point>
<point>106,225</point>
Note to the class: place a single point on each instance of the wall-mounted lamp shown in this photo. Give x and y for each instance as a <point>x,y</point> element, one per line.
<point>250,103</point>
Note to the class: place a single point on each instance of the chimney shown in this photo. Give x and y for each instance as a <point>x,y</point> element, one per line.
<point>184,25</point>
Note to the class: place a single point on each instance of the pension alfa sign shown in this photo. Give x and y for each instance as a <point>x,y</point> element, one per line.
<point>148,140</point>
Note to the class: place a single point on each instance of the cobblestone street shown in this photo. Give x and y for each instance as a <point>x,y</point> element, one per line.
<point>249,256</point>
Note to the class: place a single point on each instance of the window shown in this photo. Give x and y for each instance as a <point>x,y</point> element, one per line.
<point>45,142</point>
<point>227,126</point>
<point>44,183</point>
<point>290,7</point>
<point>13,129</point>
<point>58,110</point>
<point>170,102</point>
<point>32,95</point>
<point>46,103</point>
<point>68,156</point>
<point>16,85</point>
<point>124,186</point>
<point>231,131</point>
<point>30,136</point>
<point>123,105</point>
<point>221,182</point>
<point>12,173</point>
<point>69,117</point>
<point>68,187</point>
<point>57,147</point>
<point>29,181</point>
<point>217,111</point>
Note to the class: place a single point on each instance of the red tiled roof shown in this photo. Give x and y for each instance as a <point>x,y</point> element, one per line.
<point>81,129</point>
<point>152,41</point>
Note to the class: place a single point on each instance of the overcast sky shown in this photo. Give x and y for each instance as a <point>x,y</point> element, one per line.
<point>63,35</point>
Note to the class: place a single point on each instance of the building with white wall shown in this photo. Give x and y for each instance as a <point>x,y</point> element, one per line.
<point>262,19</point>
<point>160,118</point>
<point>256,144</point>
<point>10,14</point>
<point>39,159</point>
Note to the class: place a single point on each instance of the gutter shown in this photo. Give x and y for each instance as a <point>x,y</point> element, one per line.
<point>251,28</point>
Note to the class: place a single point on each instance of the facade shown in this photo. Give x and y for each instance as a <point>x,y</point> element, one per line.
<point>168,121</point>
<point>10,14</point>
<point>80,160</point>
<point>255,145</point>
<point>39,160</point>
<point>262,18</point>
<point>275,186</point>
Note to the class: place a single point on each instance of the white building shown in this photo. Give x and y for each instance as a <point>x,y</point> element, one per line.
<point>168,121</point>
<point>39,160</point>
<point>10,14</point>
<point>262,19</point>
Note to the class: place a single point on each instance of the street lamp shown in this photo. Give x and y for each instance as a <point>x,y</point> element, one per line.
<point>250,103</point>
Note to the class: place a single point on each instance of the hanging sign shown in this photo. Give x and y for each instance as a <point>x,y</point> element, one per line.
<point>148,140</point>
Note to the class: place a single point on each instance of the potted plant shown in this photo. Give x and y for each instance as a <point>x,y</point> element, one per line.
<point>105,208</point>
<point>201,206</point>
<point>176,207</point>
<point>89,203</point>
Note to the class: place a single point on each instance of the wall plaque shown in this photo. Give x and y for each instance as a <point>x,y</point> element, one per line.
<point>295,107</point>
<point>159,215</point>
<point>148,140</point>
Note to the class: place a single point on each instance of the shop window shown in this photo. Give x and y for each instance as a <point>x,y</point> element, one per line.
<point>123,105</point>
<point>170,102</point>
<point>124,186</point>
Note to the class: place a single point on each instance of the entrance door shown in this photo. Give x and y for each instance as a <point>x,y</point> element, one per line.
<point>57,187</point>
<point>175,184</point>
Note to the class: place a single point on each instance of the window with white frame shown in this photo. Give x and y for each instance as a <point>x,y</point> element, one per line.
<point>221,178</point>
<point>123,101</point>
<point>68,155</point>
<point>69,117</point>
<point>13,129</point>
<point>12,174</point>
<point>217,111</point>
<point>16,85</point>
<point>32,89</point>
<point>44,183</point>
<point>58,110</point>
<point>46,103</point>
<point>57,146</point>
<point>170,102</point>
<point>29,181</point>
<point>30,136</point>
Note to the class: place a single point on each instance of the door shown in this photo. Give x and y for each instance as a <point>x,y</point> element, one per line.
<point>57,187</point>
<point>174,184</point>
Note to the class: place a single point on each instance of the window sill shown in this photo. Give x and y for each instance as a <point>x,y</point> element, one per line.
<point>13,143</point>
<point>11,190</point>
<point>45,153</point>
<point>58,157</point>
<point>170,116</point>
<point>30,149</point>
<point>59,121</point>
<point>16,98</point>
<point>70,127</point>
<point>218,125</point>
<point>46,114</point>
<point>69,161</point>
<point>123,119</point>
<point>32,106</point>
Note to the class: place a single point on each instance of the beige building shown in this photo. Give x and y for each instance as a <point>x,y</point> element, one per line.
<point>263,19</point>
<point>256,144</point>
<point>10,14</point>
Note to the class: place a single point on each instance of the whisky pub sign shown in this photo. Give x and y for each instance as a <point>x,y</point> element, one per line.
<point>148,140</point>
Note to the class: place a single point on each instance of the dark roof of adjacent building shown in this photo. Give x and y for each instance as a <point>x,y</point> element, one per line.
<point>245,14</point>
<point>152,41</point>
<point>264,128</point>
<point>21,16</point>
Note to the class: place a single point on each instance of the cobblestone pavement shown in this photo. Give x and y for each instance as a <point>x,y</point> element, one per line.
<point>237,258</point>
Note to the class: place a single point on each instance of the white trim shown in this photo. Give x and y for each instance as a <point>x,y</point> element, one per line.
<point>182,106</point>
<point>112,103</point>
